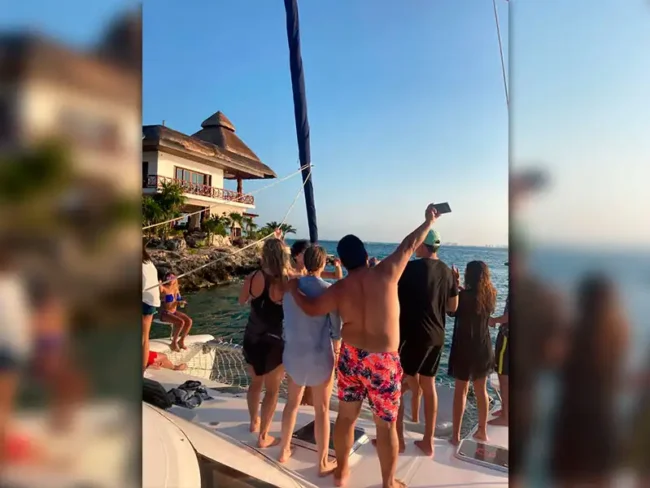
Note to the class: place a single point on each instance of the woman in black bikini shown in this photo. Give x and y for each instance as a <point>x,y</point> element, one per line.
<point>471,357</point>
<point>263,343</point>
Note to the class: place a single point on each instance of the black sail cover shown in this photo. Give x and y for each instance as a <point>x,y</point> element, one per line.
<point>300,112</point>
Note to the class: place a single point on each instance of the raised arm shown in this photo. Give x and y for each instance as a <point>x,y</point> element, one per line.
<point>315,306</point>
<point>452,293</point>
<point>394,264</point>
<point>337,274</point>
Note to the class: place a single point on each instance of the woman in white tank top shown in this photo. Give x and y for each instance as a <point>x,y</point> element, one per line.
<point>150,301</point>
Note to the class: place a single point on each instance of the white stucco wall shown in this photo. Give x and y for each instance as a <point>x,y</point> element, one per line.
<point>167,163</point>
<point>40,113</point>
<point>163,164</point>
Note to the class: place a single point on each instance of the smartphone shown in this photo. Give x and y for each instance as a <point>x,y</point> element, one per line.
<point>442,208</point>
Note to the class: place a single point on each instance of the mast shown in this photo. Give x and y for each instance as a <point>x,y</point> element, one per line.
<point>300,112</point>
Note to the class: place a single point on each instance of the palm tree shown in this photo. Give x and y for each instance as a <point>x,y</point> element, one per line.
<point>288,229</point>
<point>151,211</point>
<point>164,205</point>
<point>225,220</point>
<point>32,177</point>
<point>214,225</point>
<point>285,228</point>
<point>235,218</point>
<point>250,227</point>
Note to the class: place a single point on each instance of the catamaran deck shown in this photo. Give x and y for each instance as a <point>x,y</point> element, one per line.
<point>227,415</point>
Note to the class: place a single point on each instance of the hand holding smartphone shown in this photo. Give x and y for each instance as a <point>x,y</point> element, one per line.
<point>442,208</point>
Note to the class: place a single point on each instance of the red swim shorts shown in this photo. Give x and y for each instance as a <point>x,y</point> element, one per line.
<point>377,376</point>
<point>152,358</point>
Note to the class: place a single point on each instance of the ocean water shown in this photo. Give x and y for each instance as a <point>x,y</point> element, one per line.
<point>215,311</point>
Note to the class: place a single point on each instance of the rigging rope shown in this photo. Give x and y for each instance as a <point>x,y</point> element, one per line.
<point>248,246</point>
<point>503,64</point>
<point>231,201</point>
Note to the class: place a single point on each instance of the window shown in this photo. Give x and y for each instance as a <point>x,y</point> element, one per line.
<point>193,177</point>
<point>145,170</point>
<point>86,129</point>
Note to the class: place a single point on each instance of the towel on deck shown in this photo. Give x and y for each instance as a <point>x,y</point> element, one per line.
<point>189,395</point>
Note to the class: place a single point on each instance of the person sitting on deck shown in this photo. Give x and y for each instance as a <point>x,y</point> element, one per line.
<point>263,344</point>
<point>427,290</point>
<point>310,349</point>
<point>369,364</point>
<point>159,360</point>
<point>181,322</point>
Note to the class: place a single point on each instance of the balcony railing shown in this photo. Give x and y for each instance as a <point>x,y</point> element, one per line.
<point>155,181</point>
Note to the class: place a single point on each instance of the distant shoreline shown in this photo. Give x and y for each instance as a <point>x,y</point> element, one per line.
<point>444,244</point>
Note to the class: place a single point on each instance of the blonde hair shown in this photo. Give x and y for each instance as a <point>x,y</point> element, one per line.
<point>315,258</point>
<point>275,259</point>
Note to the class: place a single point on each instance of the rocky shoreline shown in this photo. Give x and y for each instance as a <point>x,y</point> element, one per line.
<point>176,256</point>
<point>180,255</point>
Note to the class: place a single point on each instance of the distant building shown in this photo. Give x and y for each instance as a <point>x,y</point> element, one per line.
<point>200,163</point>
<point>89,98</point>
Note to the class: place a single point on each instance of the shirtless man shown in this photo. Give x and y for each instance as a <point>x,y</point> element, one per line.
<point>368,304</point>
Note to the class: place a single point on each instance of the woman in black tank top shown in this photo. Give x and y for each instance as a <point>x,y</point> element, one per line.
<point>263,344</point>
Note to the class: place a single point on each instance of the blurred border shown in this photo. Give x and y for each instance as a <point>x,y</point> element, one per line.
<point>70,245</point>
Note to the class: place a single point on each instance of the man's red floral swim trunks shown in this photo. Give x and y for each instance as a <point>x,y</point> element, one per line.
<point>376,375</point>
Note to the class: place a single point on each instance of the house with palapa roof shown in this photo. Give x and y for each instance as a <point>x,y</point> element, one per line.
<point>201,163</point>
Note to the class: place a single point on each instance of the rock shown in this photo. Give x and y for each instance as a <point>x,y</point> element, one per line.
<point>219,241</point>
<point>225,268</point>
<point>155,243</point>
<point>175,244</point>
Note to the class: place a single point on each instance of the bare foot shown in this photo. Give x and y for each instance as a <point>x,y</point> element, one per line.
<point>326,469</point>
<point>285,454</point>
<point>481,435</point>
<point>454,441</point>
<point>416,418</point>
<point>255,425</point>
<point>499,421</point>
<point>180,367</point>
<point>181,343</point>
<point>402,445</point>
<point>497,413</point>
<point>341,475</point>
<point>174,347</point>
<point>398,484</point>
<point>425,446</point>
<point>266,441</point>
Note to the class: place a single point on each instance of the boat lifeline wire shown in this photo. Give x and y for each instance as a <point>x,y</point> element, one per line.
<point>220,204</point>
<point>286,216</point>
<point>503,64</point>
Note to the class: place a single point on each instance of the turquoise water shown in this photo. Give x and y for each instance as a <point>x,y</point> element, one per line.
<point>215,311</point>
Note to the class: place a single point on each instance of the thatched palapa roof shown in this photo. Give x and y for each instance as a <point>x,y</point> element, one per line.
<point>216,144</point>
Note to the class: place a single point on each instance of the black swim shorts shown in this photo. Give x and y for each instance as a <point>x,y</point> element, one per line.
<point>419,359</point>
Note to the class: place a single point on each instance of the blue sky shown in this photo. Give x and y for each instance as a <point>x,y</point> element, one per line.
<point>406,105</point>
<point>405,102</point>
<point>580,106</point>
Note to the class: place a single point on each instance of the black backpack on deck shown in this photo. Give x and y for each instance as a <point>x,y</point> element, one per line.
<point>154,394</point>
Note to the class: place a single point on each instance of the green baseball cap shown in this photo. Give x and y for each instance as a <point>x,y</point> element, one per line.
<point>432,239</point>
